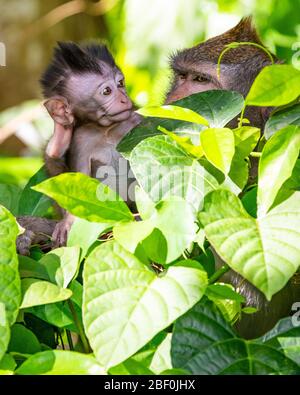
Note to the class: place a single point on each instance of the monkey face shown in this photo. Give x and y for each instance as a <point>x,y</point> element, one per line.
<point>189,79</point>
<point>100,98</point>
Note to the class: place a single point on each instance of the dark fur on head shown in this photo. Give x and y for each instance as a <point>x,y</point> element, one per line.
<point>71,58</point>
<point>245,60</point>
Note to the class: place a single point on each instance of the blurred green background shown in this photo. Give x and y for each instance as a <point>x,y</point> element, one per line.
<point>141,34</point>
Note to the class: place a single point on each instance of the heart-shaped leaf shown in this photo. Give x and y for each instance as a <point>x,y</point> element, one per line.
<point>126,304</point>
<point>265,250</point>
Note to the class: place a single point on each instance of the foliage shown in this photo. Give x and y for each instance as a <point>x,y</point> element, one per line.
<point>147,298</point>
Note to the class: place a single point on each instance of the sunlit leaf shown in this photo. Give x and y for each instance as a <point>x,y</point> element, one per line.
<point>10,288</point>
<point>85,197</point>
<point>36,292</point>
<point>164,169</point>
<point>218,147</point>
<point>62,265</point>
<point>58,362</point>
<point>126,304</point>
<point>174,218</point>
<point>275,85</point>
<point>276,165</point>
<point>173,112</point>
<point>265,251</point>
<point>280,119</point>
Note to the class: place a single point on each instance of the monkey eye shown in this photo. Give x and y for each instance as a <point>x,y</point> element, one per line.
<point>106,91</point>
<point>182,76</point>
<point>121,84</point>
<point>201,78</point>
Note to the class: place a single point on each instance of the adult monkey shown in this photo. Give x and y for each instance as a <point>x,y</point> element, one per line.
<point>195,70</point>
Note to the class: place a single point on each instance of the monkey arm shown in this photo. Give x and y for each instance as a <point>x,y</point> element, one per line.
<point>37,230</point>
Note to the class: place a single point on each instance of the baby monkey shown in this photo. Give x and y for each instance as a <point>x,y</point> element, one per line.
<point>87,100</point>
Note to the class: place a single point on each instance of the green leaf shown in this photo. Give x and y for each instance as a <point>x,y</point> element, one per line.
<point>32,202</point>
<point>184,142</point>
<point>217,106</point>
<point>36,292</point>
<point>291,348</point>
<point>62,265</point>
<point>30,268</point>
<point>264,251</point>
<point>246,138</point>
<point>4,330</point>
<point>85,197</point>
<point>173,217</point>
<point>276,164</point>
<point>207,260</point>
<point>218,147</point>
<point>173,112</point>
<point>10,288</point>
<point>58,362</point>
<point>203,343</point>
<point>161,360</point>
<point>84,233</point>
<point>249,201</point>
<point>163,169</point>
<point>56,314</point>
<point>130,367</point>
<point>284,328</point>
<point>9,197</point>
<point>126,304</point>
<point>145,206</point>
<point>23,340</point>
<point>199,328</point>
<point>275,85</point>
<point>223,291</point>
<point>280,119</point>
<point>7,364</point>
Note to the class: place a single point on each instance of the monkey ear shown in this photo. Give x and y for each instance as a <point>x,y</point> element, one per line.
<point>60,110</point>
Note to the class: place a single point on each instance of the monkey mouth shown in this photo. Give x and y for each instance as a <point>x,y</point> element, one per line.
<point>122,115</point>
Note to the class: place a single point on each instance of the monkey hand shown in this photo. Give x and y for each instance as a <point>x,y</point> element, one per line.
<point>61,231</point>
<point>24,242</point>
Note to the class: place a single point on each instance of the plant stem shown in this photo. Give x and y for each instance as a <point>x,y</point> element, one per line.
<point>236,45</point>
<point>219,273</point>
<point>77,322</point>
<point>70,341</point>
<point>255,154</point>
<point>61,340</point>
<point>242,116</point>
